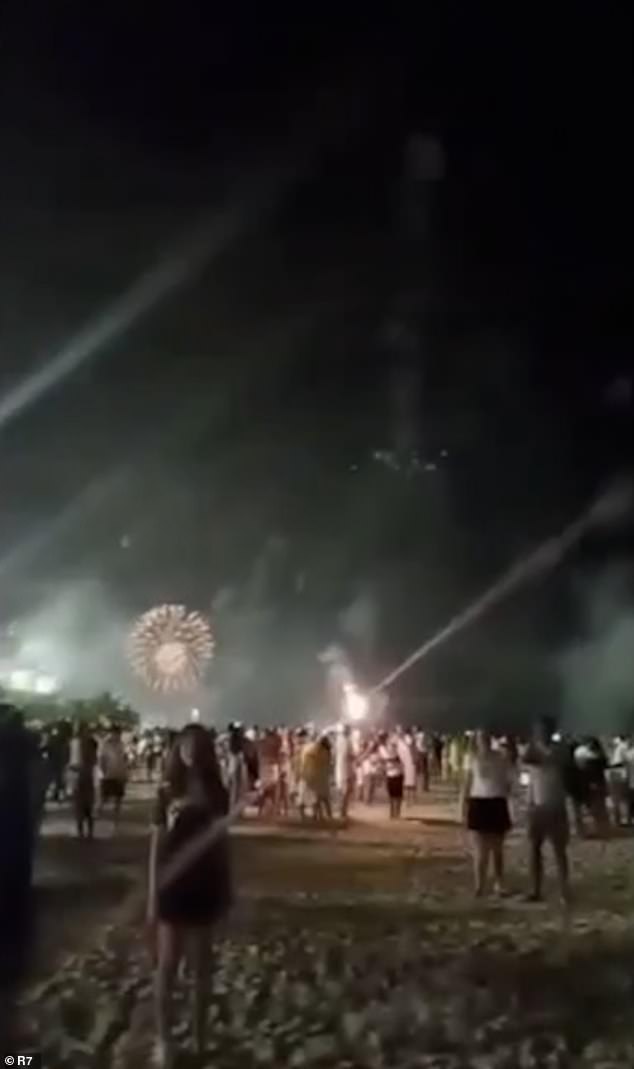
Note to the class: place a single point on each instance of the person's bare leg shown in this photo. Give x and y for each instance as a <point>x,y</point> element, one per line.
<point>202,985</point>
<point>480,863</point>
<point>116,813</point>
<point>563,871</point>
<point>497,850</point>
<point>169,951</point>
<point>601,819</point>
<point>536,869</point>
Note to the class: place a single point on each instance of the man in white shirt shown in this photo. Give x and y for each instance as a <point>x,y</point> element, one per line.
<point>617,781</point>
<point>629,768</point>
<point>404,747</point>
<point>344,769</point>
<point>547,816</point>
<point>422,757</point>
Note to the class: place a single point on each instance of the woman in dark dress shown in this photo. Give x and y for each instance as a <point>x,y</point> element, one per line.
<point>189,879</point>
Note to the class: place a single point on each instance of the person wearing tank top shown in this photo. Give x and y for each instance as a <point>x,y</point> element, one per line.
<point>485,809</point>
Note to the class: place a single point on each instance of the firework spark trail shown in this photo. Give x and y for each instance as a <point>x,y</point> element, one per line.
<point>194,255</point>
<point>610,506</point>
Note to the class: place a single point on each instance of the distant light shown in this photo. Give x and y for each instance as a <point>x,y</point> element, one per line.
<point>125,541</point>
<point>444,453</point>
<point>355,704</point>
<point>430,467</point>
<point>46,685</point>
<point>20,679</point>
<point>195,715</point>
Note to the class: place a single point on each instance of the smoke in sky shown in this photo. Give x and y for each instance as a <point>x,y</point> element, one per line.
<point>598,670</point>
<point>359,623</point>
<point>77,635</point>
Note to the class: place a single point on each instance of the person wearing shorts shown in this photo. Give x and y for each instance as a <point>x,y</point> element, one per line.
<point>485,808</point>
<point>547,814</point>
<point>112,790</point>
<point>113,767</point>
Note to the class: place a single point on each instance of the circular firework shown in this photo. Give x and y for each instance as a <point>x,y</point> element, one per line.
<point>169,648</point>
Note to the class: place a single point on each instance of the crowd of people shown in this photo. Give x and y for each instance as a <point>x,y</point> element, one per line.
<point>203,780</point>
<point>319,774</point>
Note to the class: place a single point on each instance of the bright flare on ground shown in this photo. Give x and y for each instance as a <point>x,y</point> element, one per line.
<point>170,648</point>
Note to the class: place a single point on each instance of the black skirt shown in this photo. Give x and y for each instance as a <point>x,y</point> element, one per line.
<point>395,787</point>
<point>488,816</point>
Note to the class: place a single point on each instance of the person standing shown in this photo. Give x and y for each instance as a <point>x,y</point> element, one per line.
<point>344,769</point>
<point>546,761</point>
<point>83,763</point>
<point>438,748</point>
<point>236,766</point>
<point>316,770</point>
<point>629,770</point>
<point>616,778</point>
<point>408,763</point>
<point>17,842</point>
<point>190,845</point>
<point>113,767</point>
<point>59,754</point>
<point>422,759</point>
<point>485,809</point>
<point>394,776</point>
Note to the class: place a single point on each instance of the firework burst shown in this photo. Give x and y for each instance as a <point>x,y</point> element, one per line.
<point>169,648</point>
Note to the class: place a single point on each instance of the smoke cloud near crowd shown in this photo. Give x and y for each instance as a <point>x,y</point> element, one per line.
<point>597,670</point>
<point>76,637</point>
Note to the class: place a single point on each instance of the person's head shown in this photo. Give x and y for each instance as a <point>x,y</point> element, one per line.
<point>192,746</point>
<point>544,730</point>
<point>236,738</point>
<point>482,742</point>
<point>193,755</point>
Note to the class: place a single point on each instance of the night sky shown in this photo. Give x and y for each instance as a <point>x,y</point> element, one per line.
<point>382,383</point>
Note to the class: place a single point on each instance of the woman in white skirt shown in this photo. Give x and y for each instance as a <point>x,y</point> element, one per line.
<point>485,809</point>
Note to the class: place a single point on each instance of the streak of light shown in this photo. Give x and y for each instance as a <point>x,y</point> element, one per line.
<point>611,506</point>
<point>191,420</point>
<point>142,296</point>
<point>75,512</point>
